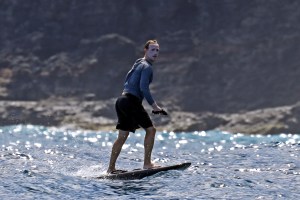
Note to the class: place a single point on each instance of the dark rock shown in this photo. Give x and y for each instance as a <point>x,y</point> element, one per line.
<point>216,57</point>
<point>89,97</point>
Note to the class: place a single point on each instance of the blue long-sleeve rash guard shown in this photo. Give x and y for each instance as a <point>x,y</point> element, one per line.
<point>138,80</point>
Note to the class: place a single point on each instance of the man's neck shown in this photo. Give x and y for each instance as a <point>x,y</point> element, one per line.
<point>149,61</point>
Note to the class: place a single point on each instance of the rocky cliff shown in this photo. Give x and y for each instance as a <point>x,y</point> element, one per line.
<point>221,57</point>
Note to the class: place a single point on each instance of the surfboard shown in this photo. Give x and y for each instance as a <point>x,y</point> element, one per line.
<point>142,173</point>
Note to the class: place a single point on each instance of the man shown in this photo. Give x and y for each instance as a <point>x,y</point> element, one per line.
<point>129,108</point>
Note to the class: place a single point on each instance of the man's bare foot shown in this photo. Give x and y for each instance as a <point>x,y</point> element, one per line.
<point>109,171</point>
<point>151,166</point>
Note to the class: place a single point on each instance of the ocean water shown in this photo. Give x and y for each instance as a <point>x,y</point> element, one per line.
<point>56,163</point>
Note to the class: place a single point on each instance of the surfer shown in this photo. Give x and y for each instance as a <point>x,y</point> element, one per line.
<point>130,111</point>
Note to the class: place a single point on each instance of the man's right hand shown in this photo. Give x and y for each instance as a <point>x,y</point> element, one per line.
<point>161,112</point>
<point>158,110</point>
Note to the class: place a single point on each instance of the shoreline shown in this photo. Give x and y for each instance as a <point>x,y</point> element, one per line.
<point>100,115</point>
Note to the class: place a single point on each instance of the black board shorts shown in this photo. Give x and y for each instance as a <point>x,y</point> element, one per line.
<point>131,113</point>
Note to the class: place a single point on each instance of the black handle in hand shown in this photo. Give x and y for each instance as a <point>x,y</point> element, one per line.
<point>161,112</point>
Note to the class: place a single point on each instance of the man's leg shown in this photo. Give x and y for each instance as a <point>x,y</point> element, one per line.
<point>116,149</point>
<point>148,145</point>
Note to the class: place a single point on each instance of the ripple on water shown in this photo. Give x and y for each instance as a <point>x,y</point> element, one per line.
<point>45,162</point>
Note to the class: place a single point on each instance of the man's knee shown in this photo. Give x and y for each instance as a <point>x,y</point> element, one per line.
<point>151,130</point>
<point>122,137</point>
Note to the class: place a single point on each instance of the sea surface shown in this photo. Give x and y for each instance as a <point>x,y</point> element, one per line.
<point>56,163</point>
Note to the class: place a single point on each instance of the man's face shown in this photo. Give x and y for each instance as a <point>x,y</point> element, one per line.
<point>152,52</point>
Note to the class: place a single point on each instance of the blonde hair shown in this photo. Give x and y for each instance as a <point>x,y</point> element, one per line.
<point>146,46</point>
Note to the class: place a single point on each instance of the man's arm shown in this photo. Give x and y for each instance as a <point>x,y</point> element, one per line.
<point>144,85</point>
